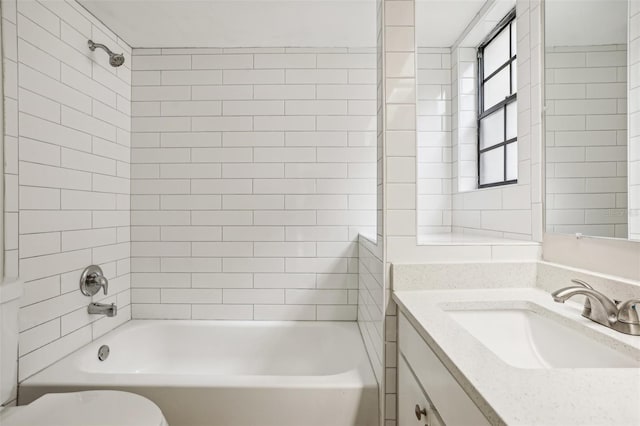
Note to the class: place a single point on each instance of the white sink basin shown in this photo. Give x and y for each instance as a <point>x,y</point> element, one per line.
<point>526,339</point>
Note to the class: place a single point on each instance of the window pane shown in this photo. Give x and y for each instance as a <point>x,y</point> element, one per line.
<point>492,129</point>
<point>496,89</point>
<point>512,161</point>
<point>492,166</point>
<point>514,38</point>
<point>496,53</point>
<point>512,120</point>
<point>514,76</point>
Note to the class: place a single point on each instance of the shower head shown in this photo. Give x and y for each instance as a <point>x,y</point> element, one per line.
<point>115,59</point>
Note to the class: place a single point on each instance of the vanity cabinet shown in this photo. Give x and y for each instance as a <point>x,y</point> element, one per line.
<point>424,380</point>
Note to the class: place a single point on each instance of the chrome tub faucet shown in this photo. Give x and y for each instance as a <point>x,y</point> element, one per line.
<point>103,309</point>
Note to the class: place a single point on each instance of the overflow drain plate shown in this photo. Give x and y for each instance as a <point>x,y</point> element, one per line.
<point>103,352</point>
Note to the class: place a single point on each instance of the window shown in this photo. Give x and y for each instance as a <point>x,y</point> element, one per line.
<point>498,106</point>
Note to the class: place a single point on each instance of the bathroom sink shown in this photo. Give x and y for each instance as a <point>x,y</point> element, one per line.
<point>526,339</point>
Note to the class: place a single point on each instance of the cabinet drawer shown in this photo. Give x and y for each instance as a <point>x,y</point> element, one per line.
<point>452,403</point>
<point>410,395</point>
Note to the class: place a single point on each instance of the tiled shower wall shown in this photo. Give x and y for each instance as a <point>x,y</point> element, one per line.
<point>253,171</point>
<point>370,253</point>
<point>434,140</point>
<point>10,106</point>
<point>68,123</point>
<point>586,140</point>
<point>634,119</point>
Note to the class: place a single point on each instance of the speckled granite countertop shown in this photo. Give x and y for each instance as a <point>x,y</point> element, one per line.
<point>518,396</point>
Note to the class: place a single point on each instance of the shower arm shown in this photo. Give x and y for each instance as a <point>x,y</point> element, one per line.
<point>92,47</point>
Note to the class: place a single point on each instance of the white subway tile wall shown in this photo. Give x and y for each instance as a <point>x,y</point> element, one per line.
<point>464,135</point>
<point>69,138</point>
<point>253,172</point>
<point>586,140</point>
<point>433,141</point>
<point>10,106</point>
<point>371,275</point>
<point>634,119</point>
<point>370,308</point>
<point>397,118</point>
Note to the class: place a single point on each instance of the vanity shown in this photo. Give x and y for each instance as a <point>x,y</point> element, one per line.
<point>488,344</point>
<point>510,355</point>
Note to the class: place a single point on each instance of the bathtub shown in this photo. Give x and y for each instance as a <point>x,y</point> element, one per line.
<point>228,373</point>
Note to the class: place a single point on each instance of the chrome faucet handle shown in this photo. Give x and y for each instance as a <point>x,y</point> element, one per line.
<point>100,281</point>
<point>628,312</point>
<point>92,280</point>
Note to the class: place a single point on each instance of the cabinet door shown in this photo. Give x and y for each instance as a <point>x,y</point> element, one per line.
<point>410,394</point>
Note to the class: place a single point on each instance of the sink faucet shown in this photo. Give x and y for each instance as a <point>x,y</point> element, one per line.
<point>622,317</point>
<point>103,309</point>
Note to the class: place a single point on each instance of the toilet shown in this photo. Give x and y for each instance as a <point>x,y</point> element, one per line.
<point>89,408</point>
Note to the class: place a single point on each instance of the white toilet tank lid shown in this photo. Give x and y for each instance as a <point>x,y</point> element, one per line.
<point>10,290</point>
<point>88,408</point>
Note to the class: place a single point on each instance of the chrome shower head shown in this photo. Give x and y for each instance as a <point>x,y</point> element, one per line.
<point>115,59</point>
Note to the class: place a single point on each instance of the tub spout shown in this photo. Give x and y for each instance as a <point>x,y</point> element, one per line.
<point>103,309</point>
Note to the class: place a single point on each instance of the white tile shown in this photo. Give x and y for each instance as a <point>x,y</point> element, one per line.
<point>32,221</point>
<point>222,249</point>
<point>222,312</point>
<point>190,108</point>
<point>195,296</point>
<point>336,312</point>
<point>39,244</point>
<point>188,78</point>
<point>45,131</point>
<point>39,267</point>
<point>191,264</point>
<point>73,240</point>
<point>289,91</point>
<point>285,312</point>
<point>221,280</point>
<point>221,124</point>
<point>169,62</point>
<point>222,92</point>
<point>190,202</point>
<point>294,76</point>
<point>211,62</point>
<point>285,280</point>
<point>316,297</point>
<point>253,77</point>
<point>161,93</point>
<point>160,280</point>
<point>253,296</point>
<point>160,311</point>
<point>286,61</point>
<point>284,249</point>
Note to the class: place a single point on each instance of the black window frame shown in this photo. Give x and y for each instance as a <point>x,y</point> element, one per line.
<point>504,24</point>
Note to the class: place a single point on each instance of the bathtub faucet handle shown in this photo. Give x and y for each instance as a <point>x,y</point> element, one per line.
<point>92,280</point>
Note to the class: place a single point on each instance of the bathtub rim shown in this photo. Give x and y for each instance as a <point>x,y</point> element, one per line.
<point>359,376</point>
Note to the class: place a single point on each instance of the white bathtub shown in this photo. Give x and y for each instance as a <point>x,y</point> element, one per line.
<point>228,373</point>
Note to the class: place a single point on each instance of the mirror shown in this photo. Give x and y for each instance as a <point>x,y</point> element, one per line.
<point>587,148</point>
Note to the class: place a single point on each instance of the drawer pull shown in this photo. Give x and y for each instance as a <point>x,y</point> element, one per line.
<point>420,413</point>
